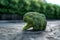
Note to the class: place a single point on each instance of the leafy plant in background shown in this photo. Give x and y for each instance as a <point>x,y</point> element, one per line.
<point>20,7</point>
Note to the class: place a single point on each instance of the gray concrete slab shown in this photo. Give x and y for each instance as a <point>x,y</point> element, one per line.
<point>12,30</point>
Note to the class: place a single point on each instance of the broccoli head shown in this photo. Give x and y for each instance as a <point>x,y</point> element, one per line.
<point>35,20</point>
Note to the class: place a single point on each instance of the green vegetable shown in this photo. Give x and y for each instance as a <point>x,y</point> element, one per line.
<point>35,20</point>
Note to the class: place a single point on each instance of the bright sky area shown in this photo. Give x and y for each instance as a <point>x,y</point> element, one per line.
<point>54,1</point>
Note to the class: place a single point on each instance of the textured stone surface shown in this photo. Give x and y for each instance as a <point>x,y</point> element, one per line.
<point>12,30</point>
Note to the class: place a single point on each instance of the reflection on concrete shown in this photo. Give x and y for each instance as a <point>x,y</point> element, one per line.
<point>31,35</point>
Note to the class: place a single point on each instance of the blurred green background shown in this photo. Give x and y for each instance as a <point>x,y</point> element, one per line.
<point>20,7</point>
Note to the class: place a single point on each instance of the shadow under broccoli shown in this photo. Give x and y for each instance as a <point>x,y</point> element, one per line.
<point>35,20</point>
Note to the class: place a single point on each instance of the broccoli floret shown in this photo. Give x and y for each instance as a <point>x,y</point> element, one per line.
<point>35,20</point>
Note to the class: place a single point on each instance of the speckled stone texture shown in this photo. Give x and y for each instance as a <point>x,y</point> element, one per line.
<point>12,30</point>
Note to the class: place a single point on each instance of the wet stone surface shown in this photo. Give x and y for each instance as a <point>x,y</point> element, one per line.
<point>12,30</point>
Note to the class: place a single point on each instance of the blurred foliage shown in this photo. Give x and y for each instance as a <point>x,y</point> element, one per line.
<point>20,7</point>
